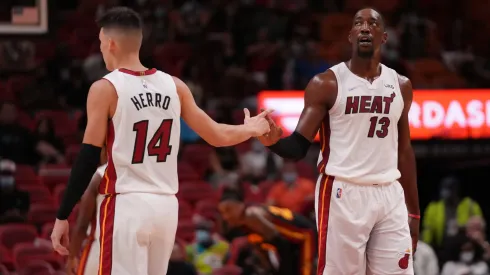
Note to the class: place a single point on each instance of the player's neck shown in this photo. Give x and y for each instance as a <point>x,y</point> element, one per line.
<point>365,67</point>
<point>130,62</point>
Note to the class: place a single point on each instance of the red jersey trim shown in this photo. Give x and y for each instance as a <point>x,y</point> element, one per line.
<point>140,73</point>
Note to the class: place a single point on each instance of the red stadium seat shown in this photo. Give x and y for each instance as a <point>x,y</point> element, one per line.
<point>25,172</point>
<point>37,267</point>
<point>197,155</point>
<point>38,194</point>
<point>207,208</point>
<point>306,170</point>
<point>58,193</point>
<point>12,234</point>
<point>253,194</point>
<point>228,270</point>
<point>6,258</point>
<point>4,270</point>
<point>25,253</point>
<point>195,191</point>
<point>185,210</point>
<point>186,172</point>
<point>40,214</point>
<point>46,230</point>
<point>72,153</point>
<point>54,174</point>
<point>186,230</point>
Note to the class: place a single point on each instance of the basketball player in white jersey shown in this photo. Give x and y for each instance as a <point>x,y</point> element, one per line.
<point>367,165</point>
<point>86,261</point>
<point>136,112</point>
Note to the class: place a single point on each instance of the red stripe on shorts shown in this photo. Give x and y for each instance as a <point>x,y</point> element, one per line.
<point>107,213</point>
<point>323,207</point>
<point>108,182</point>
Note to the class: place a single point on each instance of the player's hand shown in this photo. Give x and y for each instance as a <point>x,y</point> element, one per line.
<point>257,124</point>
<point>59,237</point>
<point>274,134</point>
<point>414,225</point>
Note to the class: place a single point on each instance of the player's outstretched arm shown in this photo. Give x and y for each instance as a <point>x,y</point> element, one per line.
<point>406,161</point>
<point>218,134</point>
<point>320,96</point>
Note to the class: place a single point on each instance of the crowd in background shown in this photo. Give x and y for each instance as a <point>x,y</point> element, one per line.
<point>226,52</point>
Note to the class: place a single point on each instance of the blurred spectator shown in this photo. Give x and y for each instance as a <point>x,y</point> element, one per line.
<point>16,142</point>
<point>17,55</point>
<point>52,146</point>
<point>224,164</point>
<point>475,230</point>
<point>466,260</point>
<point>177,264</point>
<point>261,55</point>
<point>14,204</point>
<point>292,192</point>
<point>425,260</point>
<point>254,163</point>
<point>310,65</point>
<point>207,253</point>
<point>445,217</point>
<point>187,135</point>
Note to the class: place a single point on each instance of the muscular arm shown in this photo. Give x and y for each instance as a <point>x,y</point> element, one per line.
<point>86,214</point>
<point>100,97</point>
<point>320,95</point>
<point>216,134</point>
<point>406,157</point>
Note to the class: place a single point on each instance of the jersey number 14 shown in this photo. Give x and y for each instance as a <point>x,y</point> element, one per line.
<point>159,144</point>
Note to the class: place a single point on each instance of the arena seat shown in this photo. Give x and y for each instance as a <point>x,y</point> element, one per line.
<point>58,193</point>
<point>6,259</point>
<point>40,214</point>
<point>185,210</point>
<point>4,270</point>
<point>207,208</point>
<point>228,270</point>
<point>12,234</point>
<point>24,172</point>
<point>38,194</point>
<point>53,174</point>
<point>46,230</point>
<point>186,230</point>
<point>36,267</point>
<point>195,191</point>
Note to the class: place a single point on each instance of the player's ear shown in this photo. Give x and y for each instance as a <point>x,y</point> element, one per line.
<point>384,38</point>
<point>112,44</point>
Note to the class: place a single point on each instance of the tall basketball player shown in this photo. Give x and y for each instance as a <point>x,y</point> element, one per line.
<point>136,112</point>
<point>367,165</point>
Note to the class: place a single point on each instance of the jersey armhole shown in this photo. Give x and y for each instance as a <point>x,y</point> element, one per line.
<point>399,88</point>
<point>106,78</point>
<point>339,91</point>
<point>166,76</point>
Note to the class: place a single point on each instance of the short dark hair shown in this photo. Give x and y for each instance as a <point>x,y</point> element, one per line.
<point>121,17</point>
<point>232,195</point>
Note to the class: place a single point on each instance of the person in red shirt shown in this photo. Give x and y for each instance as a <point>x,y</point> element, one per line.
<point>292,192</point>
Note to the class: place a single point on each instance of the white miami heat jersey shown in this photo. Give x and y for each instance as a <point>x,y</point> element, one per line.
<point>359,137</point>
<point>143,136</point>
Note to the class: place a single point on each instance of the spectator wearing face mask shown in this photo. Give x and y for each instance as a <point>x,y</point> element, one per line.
<point>207,253</point>
<point>14,204</point>
<point>444,218</point>
<point>254,163</point>
<point>177,264</point>
<point>292,192</point>
<point>467,260</point>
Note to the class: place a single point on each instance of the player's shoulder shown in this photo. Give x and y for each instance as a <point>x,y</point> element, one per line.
<point>402,80</point>
<point>324,80</point>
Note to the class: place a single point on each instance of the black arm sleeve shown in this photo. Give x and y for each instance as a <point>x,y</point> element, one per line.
<point>81,173</point>
<point>293,147</point>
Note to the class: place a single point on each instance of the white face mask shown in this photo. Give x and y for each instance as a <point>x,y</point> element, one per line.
<point>466,256</point>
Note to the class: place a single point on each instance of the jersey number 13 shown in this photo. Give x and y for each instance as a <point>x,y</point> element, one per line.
<point>159,144</point>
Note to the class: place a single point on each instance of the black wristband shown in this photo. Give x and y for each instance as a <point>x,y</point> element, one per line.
<point>293,147</point>
<point>81,173</point>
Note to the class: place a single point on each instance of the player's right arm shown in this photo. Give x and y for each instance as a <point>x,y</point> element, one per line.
<point>320,96</point>
<point>218,134</point>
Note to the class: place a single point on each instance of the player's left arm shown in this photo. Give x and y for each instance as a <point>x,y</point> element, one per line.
<point>406,162</point>
<point>100,97</point>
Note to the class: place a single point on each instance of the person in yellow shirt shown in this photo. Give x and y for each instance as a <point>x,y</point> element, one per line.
<point>445,217</point>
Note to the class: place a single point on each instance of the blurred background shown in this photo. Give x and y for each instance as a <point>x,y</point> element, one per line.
<point>234,54</point>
